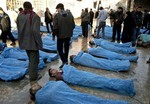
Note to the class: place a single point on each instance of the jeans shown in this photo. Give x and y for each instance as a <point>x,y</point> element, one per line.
<point>101,25</point>
<point>136,32</point>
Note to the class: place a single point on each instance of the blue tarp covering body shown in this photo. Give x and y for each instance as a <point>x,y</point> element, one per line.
<point>21,54</point>
<point>2,46</point>
<point>91,61</point>
<point>120,48</point>
<point>101,52</point>
<point>43,29</point>
<point>18,63</point>
<point>60,93</point>
<point>77,77</point>
<point>8,73</point>
<point>15,34</point>
<point>145,38</point>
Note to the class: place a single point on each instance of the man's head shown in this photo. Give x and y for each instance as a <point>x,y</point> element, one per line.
<point>120,9</point>
<point>1,11</point>
<point>139,8</point>
<point>27,5</point>
<point>101,8</point>
<point>60,7</point>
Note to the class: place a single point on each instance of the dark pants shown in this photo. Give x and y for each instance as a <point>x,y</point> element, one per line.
<point>116,29</point>
<point>101,25</point>
<point>47,26</point>
<point>84,28</point>
<point>33,64</point>
<point>91,22</point>
<point>63,48</point>
<point>9,34</point>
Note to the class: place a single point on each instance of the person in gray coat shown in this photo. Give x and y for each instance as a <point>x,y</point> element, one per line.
<point>29,38</point>
<point>63,29</point>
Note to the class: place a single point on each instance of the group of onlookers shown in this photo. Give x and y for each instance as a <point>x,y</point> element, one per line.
<point>127,24</point>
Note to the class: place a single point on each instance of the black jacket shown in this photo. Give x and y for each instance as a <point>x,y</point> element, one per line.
<point>118,18</point>
<point>48,17</point>
<point>5,23</point>
<point>137,17</point>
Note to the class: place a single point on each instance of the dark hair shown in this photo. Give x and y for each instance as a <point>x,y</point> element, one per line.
<point>27,5</point>
<point>20,9</point>
<point>120,8</point>
<point>101,8</point>
<point>60,6</point>
<point>1,9</point>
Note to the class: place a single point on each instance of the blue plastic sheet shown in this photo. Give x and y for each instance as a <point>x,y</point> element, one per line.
<point>145,38</point>
<point>21,54</point>
<point>115,47</point>
<point>8,73</point>
<point>86,59</point>
<point>97,42</point>
<point>19,63</point>
<point>47,40</point>
<point>101,52</point>
<point>43,29</point>
<point>2,46</point>
<point>60,93</point>
<point>77,77</point>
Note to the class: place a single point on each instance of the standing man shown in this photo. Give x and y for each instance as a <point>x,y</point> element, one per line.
<point>63,29</point>
<point>118,19</point>
<point>137,22</point>
<point>29,38</point>
<point>91,17</point>
<point>102,22</point>
<point>85,19</point>
<point>48,19</point>
<point>5,26</point>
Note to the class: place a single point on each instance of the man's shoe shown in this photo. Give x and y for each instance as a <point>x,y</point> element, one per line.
<point>33,90</point>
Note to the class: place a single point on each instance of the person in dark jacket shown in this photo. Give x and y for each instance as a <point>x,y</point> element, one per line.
<point>48,19</point>
<point>63,29</point>
<point>5,26</point>
<point>85,19</point>
<point>118,19</point>
<point>137,22</point>
<point>91,17</point>
<point>128,28</point>
<point>111,17</point>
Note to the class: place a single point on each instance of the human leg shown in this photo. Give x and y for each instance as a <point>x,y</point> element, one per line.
<point>4,36</point>
<point>11,37</point>
<point>47,26</point>
<point>103,29</point>
<point>66,46</point>
<point>118,33</point>
<point>33,64</point>
<point>114,33</point>
<point>60,45</point>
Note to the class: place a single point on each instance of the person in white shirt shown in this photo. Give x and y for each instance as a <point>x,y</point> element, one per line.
<point>102,22</point>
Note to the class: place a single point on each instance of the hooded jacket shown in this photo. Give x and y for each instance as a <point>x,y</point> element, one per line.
<point>63,25</point>
<point>29,31</point>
